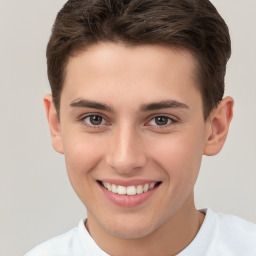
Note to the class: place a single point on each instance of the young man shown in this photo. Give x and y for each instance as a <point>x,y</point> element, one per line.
<point>137,100</point>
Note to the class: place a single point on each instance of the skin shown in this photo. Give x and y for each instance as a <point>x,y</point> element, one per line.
<point>129,144</point>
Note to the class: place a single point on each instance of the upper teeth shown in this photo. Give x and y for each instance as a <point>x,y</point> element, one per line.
<point>130,190</point>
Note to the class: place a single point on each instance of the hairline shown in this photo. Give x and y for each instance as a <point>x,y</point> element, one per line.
<point>179,48</point>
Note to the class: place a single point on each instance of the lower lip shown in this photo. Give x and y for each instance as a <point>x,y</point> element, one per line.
<point>128,201</point>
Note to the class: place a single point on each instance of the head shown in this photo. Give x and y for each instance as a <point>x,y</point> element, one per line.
<point>137,101</point>
<point>194,25</point>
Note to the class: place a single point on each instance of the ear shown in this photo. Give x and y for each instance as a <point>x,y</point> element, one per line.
<point>54,123</point>
<point>219,121</point>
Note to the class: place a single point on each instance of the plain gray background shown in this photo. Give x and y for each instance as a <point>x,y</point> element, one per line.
<point>37,201</point>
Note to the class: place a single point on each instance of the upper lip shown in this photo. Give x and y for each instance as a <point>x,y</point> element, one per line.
<point>126,183</point>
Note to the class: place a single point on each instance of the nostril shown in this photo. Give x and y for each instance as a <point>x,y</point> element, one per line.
<point>127,165</point>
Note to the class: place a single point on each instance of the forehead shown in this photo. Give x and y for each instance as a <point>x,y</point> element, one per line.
<point>144,72</point>
<point>119,55</point>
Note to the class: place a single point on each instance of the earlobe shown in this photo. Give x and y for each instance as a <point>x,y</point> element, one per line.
<point>54,124</point>
<point>219,119</point>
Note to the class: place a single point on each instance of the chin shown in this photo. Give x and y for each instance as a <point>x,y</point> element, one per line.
<point>130,229</point>
<point>131,232</point>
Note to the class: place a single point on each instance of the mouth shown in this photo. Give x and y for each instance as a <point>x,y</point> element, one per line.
<point>129,190</point>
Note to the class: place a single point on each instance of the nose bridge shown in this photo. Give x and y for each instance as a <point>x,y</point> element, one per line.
<point>126,151</point>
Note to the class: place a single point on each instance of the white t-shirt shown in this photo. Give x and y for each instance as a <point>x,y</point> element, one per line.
<point>219,235</point>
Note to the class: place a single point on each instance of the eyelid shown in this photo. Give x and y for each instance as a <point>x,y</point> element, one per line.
<point>171,118</point>
<point>102,119</point>
<point>81,118</point>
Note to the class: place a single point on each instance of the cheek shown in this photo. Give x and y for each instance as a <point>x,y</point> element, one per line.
<point>180,157</point>
<point>82,154</point>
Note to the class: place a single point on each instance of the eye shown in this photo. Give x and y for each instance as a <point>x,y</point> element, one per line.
<point>161,121</point>
<point>94,120</point>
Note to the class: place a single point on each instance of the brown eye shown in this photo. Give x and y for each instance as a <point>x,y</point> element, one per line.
<point>94,120</point>
<point>161,121</point>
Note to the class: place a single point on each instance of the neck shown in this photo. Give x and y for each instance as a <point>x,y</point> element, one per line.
<point>169,239</point>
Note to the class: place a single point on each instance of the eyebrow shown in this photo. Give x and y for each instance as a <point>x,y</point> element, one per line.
<point>83,103</point>
<point>164,104</point>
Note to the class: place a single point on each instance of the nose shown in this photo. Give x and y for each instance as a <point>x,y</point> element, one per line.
<point>126,153</point>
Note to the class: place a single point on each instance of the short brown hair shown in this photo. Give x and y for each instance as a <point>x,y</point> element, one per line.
<point>191,24</point>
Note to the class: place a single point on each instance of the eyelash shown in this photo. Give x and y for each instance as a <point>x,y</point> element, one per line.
<point>92,126</point>
<point>170,120</point>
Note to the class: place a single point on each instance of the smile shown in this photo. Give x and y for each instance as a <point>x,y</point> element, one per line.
<point>129,190</point>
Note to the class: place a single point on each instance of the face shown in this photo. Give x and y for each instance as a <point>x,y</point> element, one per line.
<point>133,135</point>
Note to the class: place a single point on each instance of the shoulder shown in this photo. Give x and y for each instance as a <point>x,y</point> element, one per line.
<point>76,242</point>
<point>235,234</point>
<point>236,227</point>
<point>223,234</point>
<point>228,221</point>
<point>61,245</point>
